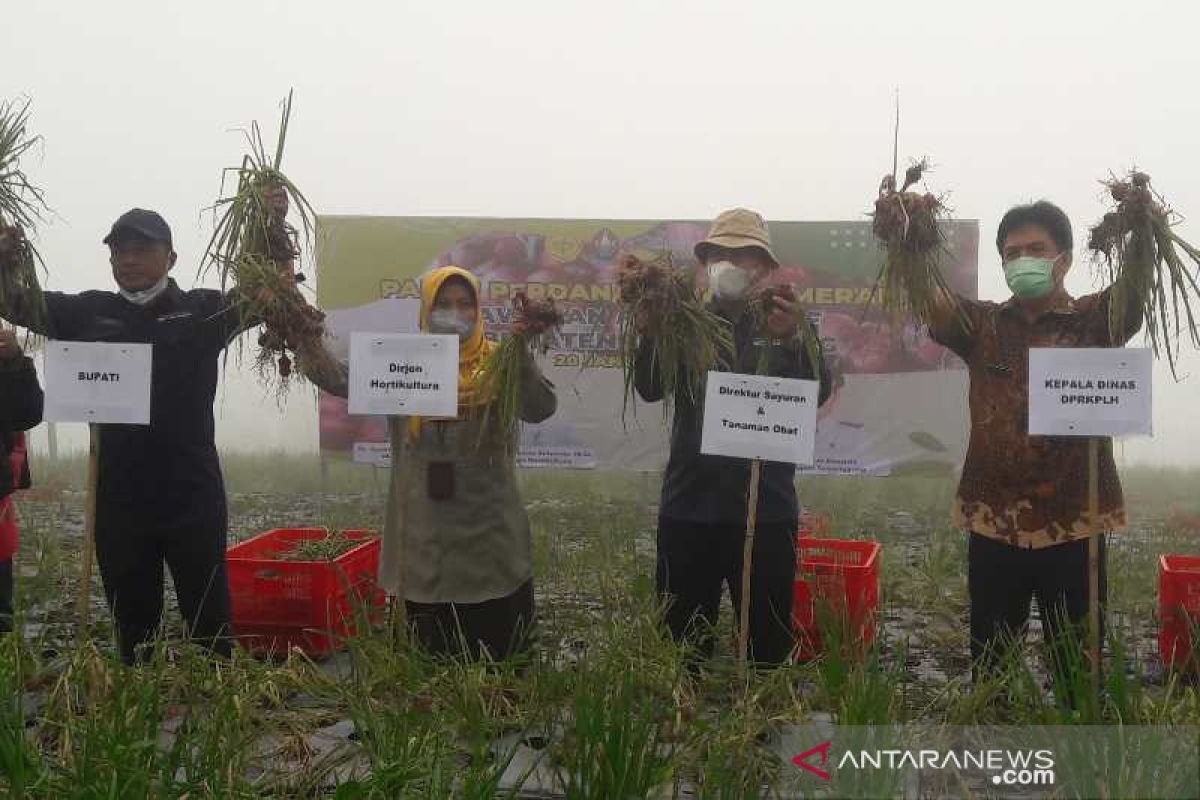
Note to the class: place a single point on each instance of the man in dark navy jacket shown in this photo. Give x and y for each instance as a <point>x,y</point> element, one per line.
<point>160,497</point>
<point>702,517</point>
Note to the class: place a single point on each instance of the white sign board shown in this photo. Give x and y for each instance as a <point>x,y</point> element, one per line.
<point>389,315</point>
<point>403,374</point>
<point>1092,391</point>
<point>378,454</point>
<point>98,382</point>
<point>750,416</point>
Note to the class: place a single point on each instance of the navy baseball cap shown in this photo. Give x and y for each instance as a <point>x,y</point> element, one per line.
<point>149,224</point>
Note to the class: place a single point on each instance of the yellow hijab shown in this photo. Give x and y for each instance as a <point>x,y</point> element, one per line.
<point>472,351</point>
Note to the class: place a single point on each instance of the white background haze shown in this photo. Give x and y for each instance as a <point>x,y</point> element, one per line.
<point>605,110</point>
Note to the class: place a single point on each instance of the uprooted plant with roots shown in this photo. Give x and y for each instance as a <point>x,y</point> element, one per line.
<point>503,371</point>
<point>21,206</point>
<point>1149,266</point>
<point>255,250</point>
<point>763,304</point>
<point>910,226</point>
<point>661,304</point>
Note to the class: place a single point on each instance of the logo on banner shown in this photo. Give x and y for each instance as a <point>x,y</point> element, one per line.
<point>563,248</point>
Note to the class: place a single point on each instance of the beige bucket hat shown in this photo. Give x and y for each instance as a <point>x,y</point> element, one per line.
<point>738,227</point>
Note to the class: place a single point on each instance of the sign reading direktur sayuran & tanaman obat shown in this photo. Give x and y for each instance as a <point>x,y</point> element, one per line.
<point>750,416</point>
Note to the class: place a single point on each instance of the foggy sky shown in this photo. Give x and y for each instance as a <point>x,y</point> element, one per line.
<point>603,109</point>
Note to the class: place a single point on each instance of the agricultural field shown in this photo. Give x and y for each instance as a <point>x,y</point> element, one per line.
<point>605,709</point>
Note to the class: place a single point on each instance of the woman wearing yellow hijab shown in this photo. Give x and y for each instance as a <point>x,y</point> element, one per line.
<point>456,537</point>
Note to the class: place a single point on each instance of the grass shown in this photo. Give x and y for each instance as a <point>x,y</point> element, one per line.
<point>330,547</point>
<point>606,707</point>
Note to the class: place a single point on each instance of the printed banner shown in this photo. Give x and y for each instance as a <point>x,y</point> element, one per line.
<point>899,404</point>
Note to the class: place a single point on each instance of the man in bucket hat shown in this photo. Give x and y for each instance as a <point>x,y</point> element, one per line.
<point>702,517</point>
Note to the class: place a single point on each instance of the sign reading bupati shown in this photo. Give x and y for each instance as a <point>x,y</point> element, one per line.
<point>1090,391</point>
<point>403,374</point>
<point>98,382</point>
<point>750,416</point>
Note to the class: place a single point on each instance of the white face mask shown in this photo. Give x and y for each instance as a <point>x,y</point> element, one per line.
<point>447,321</point>
<point>144,297</point>
<point>727,280</point>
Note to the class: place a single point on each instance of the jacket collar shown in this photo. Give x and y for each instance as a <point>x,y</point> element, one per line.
<point>1065,305</point>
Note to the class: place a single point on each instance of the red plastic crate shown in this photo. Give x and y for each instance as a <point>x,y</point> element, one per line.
<point>312,605</point>
<point>842,576</point>
<point>1178,608</point>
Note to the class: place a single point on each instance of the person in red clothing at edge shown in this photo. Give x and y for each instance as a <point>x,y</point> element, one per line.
<point>1023,499</point>
<point>20,410</point>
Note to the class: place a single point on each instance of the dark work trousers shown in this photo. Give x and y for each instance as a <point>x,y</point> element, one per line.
<point>503,627</point>
<point>693,562</point>
<point>131,566</point>
<point>6,595</point>
<point>1002,579</point>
